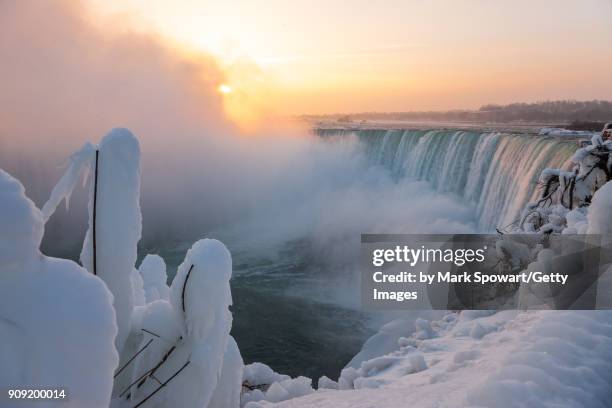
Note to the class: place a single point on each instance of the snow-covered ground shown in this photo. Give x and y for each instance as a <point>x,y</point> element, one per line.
<point>484,359</point>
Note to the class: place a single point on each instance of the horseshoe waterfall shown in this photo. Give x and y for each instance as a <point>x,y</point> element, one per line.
<point>495,172</point>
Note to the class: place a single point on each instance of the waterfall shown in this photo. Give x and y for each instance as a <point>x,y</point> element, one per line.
<point>495,172</point>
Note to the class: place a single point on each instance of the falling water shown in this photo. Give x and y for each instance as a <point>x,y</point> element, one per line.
<point>495,172</point>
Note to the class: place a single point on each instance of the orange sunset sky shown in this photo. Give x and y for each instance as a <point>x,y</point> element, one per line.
<point>325,56</point>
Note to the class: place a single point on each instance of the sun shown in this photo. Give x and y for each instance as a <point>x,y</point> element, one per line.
<point>224,89</point>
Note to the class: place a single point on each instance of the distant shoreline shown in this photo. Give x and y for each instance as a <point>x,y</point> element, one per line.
<point>398,125</point>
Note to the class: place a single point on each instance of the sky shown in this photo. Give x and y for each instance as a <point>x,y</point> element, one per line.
<point>325,56</point>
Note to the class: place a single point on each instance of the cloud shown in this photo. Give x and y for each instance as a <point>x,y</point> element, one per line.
<point>63,78</point>
<point>66,82</point>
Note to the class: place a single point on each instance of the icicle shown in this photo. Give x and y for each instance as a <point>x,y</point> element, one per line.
<point>80,161</point>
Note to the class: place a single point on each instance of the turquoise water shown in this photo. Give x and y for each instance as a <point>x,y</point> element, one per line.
<point>280,314</point>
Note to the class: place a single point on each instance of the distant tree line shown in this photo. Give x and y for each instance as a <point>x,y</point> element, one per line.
<point>584,114</point>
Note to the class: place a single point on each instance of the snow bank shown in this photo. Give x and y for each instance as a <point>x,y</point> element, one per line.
<point>566,361</point>
<point>57,325</point>
<point>529,359</point>
<point>385,341</point>
<point>118,222</point>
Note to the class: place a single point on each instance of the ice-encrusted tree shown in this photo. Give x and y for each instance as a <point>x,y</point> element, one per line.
<point>566,194</point>
<point>110,246</point>
<point>187,357</point>
<point>174,343</point>
<point>57,324</point>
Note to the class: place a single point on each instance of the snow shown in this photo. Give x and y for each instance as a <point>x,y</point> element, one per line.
<point>259,373</point>
<point>262,384</point>
<point>327,383</point>
<point>486,358</point>
<point>118,222</point>
<point>576,221</point>
<point>387,337</point>
<point>154,330</point>
<point>205,299</point>
<point>22,223</point>
<point>154,276</point>
<point>598,221</point>
<point>566,192</point>
<point>560,132</point>
<point>284,390</point>
<point>227,392</point>
<point>598,218</point>
<point>276,393</point>
<point>191,338</point>
<point>565,361</point>
<point>527,359</point>
<point>138,291</point>
<point>57,324</point>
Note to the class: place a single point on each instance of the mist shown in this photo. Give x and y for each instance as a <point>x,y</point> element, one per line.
<point>66,81</point>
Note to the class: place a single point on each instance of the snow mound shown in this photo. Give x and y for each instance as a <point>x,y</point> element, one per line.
<point>262,385</point>
<point>528,359</point>
<point>327,383</point>
<point>386,340</point>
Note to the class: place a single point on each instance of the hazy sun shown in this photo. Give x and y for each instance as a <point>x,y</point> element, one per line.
<point>224,89</point>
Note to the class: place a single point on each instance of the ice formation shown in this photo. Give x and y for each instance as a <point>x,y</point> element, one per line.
<point>261,384</point>
<point>57,325</point>
<point>483,359</point>
<point>117,221</point>
<point>185,341</point>
<point>138,291</point>
<point>388,335</point>
<point>153,272</point>
<point>113,170</point>
<point>80,162</point>
<point>565,193</point>
<point>178,335</point>
<point>229,387</point>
